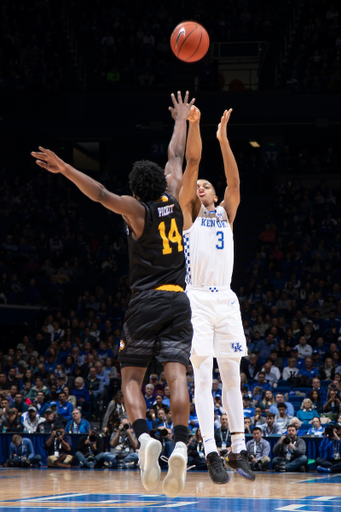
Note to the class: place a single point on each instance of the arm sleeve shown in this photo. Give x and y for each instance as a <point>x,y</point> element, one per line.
<point>277,448</point>
<point>300,448</point>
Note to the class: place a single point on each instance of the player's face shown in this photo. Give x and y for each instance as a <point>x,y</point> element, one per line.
<point>206,193</point>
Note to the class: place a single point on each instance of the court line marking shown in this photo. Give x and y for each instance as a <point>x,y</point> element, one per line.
<point>325,498</point>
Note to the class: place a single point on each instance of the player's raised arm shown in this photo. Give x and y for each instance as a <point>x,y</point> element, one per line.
<point>176,149</point>
<point>124,205</point>
<point>189,201</point>
<point>232,192</point>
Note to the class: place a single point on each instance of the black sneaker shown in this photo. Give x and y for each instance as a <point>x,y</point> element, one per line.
<point>239,462</point>
<point>216,469</point>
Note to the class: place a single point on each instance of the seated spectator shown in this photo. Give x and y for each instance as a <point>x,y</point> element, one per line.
<point>90,449</point>
<point>160,420</point>
<point>271,428</point>
<point>158,402</point>
<point>148,395</point>
<point>4,407</point>
<point>12,392</point>
<point>315,398</point>
<point>52,396</point>
<point>31,419</point>
<point>222,435</point>
<point>21,453</point>
<point>317,429</point>
<point>307,413</point>
<point>193,421</point>
<point>247,425</point>
<point>257,394</point>
<point>19,403</point>
<point>39,402</point>
<point>264,347</point>
<point>258,420</point>
<point>261,383</point>
<point>47,426</point>
<point>271,373</point>
<point>11,421</point>
<point>103,376</point>
<point>279,399</point>
<point>93,385</point>
<point>123,446</point>
<point>81,393</point>
<point>196,453</point>
<point>282,418</point>
<point>58,447</point>
<point>166,398</point>
<point>77,425</point>
<point>332,404</point>
<point>115,411</point>
<point>290,452</point>
<point>304,350</point>
<point>291,370</point>
<point>327,372</point>
<point>216,391</point>
<point>61,381</point>
<point>308,370</point>
<point>169,420</point>
<point>70,398</point>
<point>250,367</point>
<point>267,401</point>
<point>258,451</point>
<point>248,410</point>
<point>39,386</point>
<point>329,460</point>
<point>316,385</point>
<point>64,408</point>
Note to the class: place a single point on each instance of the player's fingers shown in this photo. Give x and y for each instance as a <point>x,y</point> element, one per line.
<point>186,97</point>
<point>179,97</point>
<point>38,155</point>
<point>42,164</point>
<point>174,100</point>
<point>43,149</point>
<point>192,102</point>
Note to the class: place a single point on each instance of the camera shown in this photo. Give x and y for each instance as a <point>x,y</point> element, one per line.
<point>163,432</point>
<point>287,440</point>
<point>59,433</point>
<point>92,438</point>
<point>126,426</point>
<point>329,431</point>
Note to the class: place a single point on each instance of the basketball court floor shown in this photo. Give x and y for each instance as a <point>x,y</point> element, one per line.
<point>105,490</point>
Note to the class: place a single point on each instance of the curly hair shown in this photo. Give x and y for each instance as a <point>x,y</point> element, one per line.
<point>147,180</point>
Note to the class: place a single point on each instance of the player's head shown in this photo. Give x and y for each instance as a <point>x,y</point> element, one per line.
<point>147,181</point>
<point>206,193</point>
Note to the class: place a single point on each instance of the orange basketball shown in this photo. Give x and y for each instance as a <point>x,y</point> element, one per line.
<point>189,41</point>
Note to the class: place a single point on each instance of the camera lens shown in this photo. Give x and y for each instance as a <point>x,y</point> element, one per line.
<point>287,440</point>
<point>126,426</point>
<point>58,432</point>
<point>92,438</point>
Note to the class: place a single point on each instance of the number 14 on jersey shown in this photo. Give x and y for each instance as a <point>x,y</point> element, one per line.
<point>173,236</point>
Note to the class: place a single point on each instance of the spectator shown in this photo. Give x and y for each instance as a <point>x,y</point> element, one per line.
<point>282,418</point>
<point>115,411</point>
<point>316,386</point>
<point>93,385</point>
<point>327,372</point>
<point>267,401</point>
<point>90,449</point>
<point>81,393</point>
<point>280,400</point>
<point>148,396</point>
<point>258,420</point>
<point>19,403</point>
<point>248,410</point>
<point>266,346</point>
<point>291,370</point>
<point>261,383</point>
<point>317,429</point>
<point>247,425</point>
<point>222,435</point>
<point>58,447</point>
<point>11,421</point>
<point>39,402</point>
<point>77,425</point>
<point>329,460</point>
<point>308,371</point>
<point>193,421</point>
<point>258,451</point>
<point>39,386</point>
<point>290,452</point>
<point>272,374</point>
<point>64,408</point>
<point>30,420</point>
<point>306,413</point>
<point>250,367</point>
<point>123,445</point>
<point>196,453</point>
<point>271,428</point>
<point>216,391</point>
<point>332,404</point>
<point>47,426</point>
<point>21,453</point>
<point>314,396</point>
<point>103,376</point>
<point>304,350</point>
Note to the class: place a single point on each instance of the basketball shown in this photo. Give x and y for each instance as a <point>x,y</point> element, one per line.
<point>189,41</point>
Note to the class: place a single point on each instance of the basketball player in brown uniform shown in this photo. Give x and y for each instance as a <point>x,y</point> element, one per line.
<point>158,320</point>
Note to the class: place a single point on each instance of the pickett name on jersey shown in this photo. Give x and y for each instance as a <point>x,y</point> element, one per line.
<point>211,223</point>
<point>165,210</point>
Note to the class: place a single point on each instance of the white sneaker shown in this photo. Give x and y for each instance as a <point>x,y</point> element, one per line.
<point>149,453</point>
<point>174,483</point>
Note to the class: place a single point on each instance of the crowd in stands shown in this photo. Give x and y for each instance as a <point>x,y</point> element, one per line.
<point>314,62</point>
<point>61,377</point>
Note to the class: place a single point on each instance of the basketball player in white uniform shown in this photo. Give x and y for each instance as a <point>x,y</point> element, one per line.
<point>218,330</point>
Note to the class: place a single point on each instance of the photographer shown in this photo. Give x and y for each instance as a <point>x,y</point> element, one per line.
<point>58,447</point>
<point>222,436</point>
<point>22,454</point>
<point>123,445</point>
<point>90,449</point>
<point>329,460</point>
<point>290,451</point>
<point>196,453</point>
<point>258,451</point>
<point>164,435</point>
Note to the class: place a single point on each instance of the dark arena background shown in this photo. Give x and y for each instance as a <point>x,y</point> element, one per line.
<point>91,81</point>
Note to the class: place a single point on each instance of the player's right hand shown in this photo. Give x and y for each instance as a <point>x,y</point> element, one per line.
<point>194,115</point>
<point>181,109</point>
<point>49,160</point>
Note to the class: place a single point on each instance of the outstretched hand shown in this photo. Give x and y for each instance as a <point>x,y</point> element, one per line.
<point>181,109</point>
<point>194,115</point>
<point>222,132</point>
<point>49,160</point>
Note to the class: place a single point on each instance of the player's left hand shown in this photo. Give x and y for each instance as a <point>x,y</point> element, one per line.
<point>49,160</point>
<point>221,132</point>
<point>181,109</point>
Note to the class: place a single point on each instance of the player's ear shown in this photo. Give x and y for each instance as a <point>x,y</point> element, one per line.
<point>215,199</point>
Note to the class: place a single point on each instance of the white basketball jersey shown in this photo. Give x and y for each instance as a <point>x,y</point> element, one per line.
<point>209,251</point>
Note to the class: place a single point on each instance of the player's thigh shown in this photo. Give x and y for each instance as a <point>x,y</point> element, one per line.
<point>229,337</point>
<point>203,311</point>
<point>174,339</point>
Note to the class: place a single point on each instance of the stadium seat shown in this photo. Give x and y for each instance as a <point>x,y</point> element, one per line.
<point>296,399</point>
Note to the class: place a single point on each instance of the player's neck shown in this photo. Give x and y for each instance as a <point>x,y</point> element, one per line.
<point>209,207</point>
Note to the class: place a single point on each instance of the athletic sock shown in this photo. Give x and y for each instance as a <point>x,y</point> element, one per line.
<point>238,443</point>
<point>140,427</point>
<point>210,445</point>
<point>181,434</point>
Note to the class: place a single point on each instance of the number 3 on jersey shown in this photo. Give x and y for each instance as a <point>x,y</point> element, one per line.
<point>173,236</point>
<point>220,244</point>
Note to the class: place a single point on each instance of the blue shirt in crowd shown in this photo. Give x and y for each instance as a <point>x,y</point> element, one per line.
<point>82,427</point>
<point>65,410</point>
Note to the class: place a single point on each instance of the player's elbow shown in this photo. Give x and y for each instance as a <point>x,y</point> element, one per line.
<point>234,185</point>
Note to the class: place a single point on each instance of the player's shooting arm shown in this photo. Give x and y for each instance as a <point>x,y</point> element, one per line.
<point>124,205</point>
<point>189,201</point>
<point>232,192</point>
<point>176,149</point>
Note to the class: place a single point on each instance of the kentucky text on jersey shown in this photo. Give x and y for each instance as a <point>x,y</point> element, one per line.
<point>212,223</point>
<point>165,210</point>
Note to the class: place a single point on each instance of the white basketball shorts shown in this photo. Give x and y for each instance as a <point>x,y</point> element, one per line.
<point>217,322</point>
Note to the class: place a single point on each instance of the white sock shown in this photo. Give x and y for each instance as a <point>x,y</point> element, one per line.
<point>210,445</point>
<point>238,443</point>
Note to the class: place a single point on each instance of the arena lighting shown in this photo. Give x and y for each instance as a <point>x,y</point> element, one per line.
<point>254,144</point>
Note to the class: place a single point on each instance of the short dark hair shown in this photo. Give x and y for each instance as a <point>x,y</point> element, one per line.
<point>147,180</point>
<point>293,426</point>
<point>256,428</point>
<point>270,415</point>
<point>281,404</point>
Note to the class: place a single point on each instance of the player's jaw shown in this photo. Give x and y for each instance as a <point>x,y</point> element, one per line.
<point>206,193</point>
